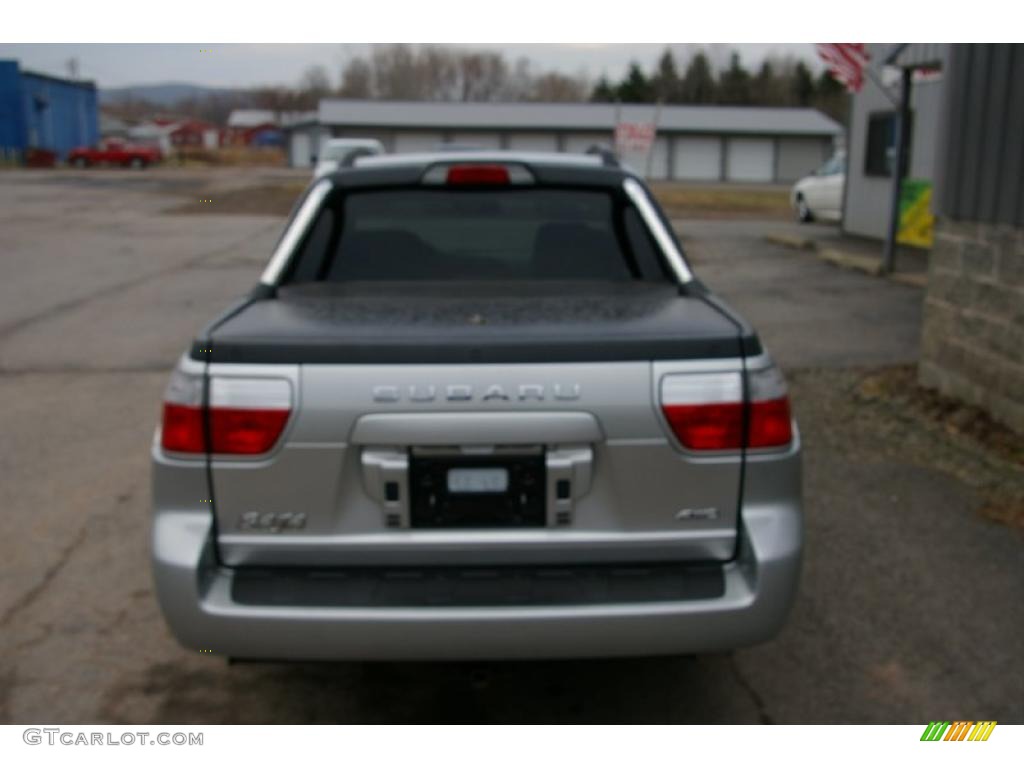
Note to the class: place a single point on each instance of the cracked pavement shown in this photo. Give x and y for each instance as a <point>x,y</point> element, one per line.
<point>910,603</point>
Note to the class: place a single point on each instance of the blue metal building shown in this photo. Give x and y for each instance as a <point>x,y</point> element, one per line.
<point>44,112</point>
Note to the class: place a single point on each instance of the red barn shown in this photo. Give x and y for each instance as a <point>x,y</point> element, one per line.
<point>195,133</point>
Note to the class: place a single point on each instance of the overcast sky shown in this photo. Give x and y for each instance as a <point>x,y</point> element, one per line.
<point>247,65</point>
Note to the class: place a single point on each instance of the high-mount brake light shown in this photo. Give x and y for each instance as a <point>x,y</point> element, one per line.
<point>245,417</point>
<point>478,174</point>
<point>706,411</point>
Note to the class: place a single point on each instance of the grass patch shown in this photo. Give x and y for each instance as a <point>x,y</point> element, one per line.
<point>722,201</point>
<point>959,438</point>
<point>265,200</point>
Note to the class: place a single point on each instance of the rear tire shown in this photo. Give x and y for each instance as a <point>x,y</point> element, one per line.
<point>137,162</point>
<point>80,162</point>
<point>803,212</point>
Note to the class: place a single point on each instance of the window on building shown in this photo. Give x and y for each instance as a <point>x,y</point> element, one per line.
<point>881,149</point>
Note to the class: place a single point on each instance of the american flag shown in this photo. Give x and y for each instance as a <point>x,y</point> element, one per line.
<point>846,62</point>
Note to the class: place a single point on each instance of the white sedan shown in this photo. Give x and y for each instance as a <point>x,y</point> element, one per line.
<point>820,195</point>
<point>336,152</point>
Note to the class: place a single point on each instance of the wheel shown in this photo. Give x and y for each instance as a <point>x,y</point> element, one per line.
<point>803,213</point>
<point>137,162</point>
<point>80,162</point>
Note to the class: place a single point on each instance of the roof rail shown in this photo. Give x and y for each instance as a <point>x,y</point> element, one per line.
<point>606,154</point>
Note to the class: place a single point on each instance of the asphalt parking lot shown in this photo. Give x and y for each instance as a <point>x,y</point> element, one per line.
<point>911,599</point>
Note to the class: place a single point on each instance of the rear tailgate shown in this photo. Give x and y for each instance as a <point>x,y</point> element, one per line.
<point>519,425</point>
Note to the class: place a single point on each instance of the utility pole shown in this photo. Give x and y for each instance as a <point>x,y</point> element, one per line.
<point>654,138</point>
<point>901,126</point>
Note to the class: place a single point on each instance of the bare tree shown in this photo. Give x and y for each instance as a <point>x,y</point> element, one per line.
<point>483,76</point>
<point>395,73</point>
<point>439,73</point>
<point>554,86</point>
<point>314,85</point>
<point>357,80</point>
<point>445,73</point>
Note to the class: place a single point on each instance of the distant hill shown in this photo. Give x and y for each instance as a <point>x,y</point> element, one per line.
<point>162,94</point>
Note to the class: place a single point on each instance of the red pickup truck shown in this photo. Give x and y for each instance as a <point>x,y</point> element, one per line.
<point>114,153</point>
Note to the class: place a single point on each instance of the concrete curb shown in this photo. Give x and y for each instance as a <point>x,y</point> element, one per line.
<point>914,279</point>
<point>869,265</point>
<point>847,260</point>
<point>790,241</point>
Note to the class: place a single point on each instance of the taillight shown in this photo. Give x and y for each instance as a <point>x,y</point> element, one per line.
<point>245,430</point>
<point>706,411</point>
<point>246,416</point>
<point>182,429</point>
<point>769,424</point>
<point>478,174</point>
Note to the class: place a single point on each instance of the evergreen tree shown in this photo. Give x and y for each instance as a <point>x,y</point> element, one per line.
<point>831,98</point>
<point>802,85</point>
<point>734,84</point>
<point>666,83</point>
<point>636,88</point>
<point>604,91</point>
<point>764,90</point>
<point>698,86</point>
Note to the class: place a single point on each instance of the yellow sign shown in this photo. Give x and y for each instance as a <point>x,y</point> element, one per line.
<point>916,220</point>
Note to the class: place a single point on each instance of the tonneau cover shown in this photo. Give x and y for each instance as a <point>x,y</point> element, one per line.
<point>475,322</point>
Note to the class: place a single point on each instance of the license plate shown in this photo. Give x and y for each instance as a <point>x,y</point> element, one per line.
<point>478,480</point>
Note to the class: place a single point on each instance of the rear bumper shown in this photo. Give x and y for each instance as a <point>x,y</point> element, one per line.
<point>196,596</point>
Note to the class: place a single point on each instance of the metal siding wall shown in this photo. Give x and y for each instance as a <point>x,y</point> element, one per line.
<point>926,105</point>
<point>796,158</point>
<point>68,117</point>
<point>1010,206</point>
<point>416,141</point>
<point>533,142</point>
<point>981,158</point>
<point>581,142</point>
<point>481,139</point>
<point>13,136</point>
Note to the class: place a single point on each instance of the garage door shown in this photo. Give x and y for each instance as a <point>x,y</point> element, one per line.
<point>658,161</point>
<point>300,151</point>
<point>799,157</point>
<point>481,140</point>
<point>533,142</point>
<point>750,160</point>
<point>697,158</point>
<point>581,142</point>
<point>407,141</point>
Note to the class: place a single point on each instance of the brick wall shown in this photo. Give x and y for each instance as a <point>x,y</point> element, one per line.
<point>972,343</point>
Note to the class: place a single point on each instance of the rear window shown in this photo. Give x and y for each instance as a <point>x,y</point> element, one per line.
<point>437,234</point>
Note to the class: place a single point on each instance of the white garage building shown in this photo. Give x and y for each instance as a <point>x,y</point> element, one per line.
<point>699,143</point>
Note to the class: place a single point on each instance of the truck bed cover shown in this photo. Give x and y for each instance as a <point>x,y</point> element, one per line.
<point>476,322</point>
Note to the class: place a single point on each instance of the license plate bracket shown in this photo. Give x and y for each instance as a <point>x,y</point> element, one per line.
<point>497,490</point>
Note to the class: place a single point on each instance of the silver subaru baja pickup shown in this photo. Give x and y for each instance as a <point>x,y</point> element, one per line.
<point>477,406</point>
